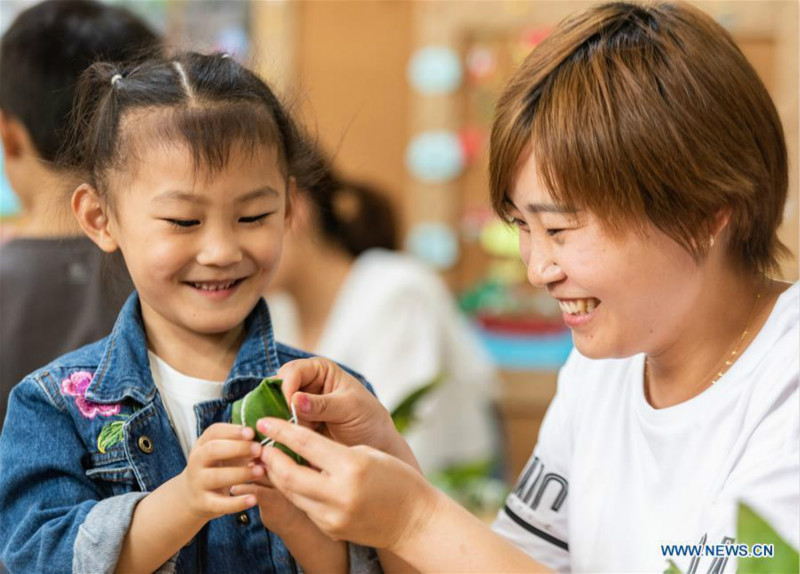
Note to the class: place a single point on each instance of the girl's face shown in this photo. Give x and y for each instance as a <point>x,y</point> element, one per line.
<point>200,249</point>
<point>619,295</point>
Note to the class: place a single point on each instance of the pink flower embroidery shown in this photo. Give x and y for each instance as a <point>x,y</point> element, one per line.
<point>76,385</point>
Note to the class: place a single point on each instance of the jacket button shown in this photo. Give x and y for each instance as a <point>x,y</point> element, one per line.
<point>145,444</point>
<point>243,519</point>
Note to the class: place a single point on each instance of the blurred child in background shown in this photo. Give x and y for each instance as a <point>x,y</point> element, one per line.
<point>355,299</point>
<point>55,295</point>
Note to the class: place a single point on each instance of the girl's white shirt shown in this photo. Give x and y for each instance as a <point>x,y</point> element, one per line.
<point>395,322</point>
<point>615,479</point>
<point>180,393</point>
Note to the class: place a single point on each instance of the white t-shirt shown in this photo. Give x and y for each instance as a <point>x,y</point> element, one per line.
<point>395,322</point>
<point>180,393</point>
<point>613,479</point>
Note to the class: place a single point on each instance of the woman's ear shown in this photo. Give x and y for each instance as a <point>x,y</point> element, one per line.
<point>720,222</point>
<point>92,216</point>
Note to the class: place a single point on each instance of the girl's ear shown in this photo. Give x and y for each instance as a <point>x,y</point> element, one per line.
<point>92,217</point>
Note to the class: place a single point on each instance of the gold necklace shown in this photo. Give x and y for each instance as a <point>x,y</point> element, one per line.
<point>732,357</point>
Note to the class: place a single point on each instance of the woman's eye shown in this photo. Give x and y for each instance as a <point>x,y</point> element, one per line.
<point>554,232</point>
<point>255,218</point>
<point>182,223</point>
<point>516,221</point>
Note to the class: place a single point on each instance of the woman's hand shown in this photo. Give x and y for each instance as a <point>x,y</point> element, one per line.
<point>347,412</point>
<point>358,494</point>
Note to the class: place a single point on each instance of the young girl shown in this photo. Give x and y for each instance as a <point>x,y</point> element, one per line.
<point>187,164</point>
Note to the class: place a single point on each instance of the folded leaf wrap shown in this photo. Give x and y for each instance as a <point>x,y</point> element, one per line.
<point>266,400</point>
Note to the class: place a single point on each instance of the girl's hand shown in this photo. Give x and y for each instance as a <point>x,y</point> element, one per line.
<point>220,459</point>
<point>358,494</point>
<point>347,412</point>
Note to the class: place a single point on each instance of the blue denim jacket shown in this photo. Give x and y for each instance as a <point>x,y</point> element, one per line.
<point>75,459</point>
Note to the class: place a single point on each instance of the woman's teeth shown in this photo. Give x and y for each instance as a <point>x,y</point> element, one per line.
<point>579,306</point>
<point>214,286</point>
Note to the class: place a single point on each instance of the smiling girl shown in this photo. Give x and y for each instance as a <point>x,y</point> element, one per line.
<point>117,457</point>
<point>645,166</point>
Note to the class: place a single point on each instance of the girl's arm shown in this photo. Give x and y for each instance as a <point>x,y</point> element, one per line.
<point>169,517</point>
<point>374,499</point>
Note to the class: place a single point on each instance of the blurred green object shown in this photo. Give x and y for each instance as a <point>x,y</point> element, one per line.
<point>472,485</point>
<point>405,415</point>
<point>754,530</point>
<point>266,400</point>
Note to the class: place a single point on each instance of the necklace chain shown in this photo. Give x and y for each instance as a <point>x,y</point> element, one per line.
<point>731,359</point>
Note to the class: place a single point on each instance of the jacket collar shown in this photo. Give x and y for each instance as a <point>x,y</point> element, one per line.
<point>124,368</point>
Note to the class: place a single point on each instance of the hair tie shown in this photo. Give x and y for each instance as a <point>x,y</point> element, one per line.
<point>115,78</point>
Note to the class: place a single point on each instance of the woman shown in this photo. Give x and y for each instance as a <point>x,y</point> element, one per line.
<point>645,166</point>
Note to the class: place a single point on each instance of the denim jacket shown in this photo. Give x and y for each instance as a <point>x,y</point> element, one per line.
<point>87,437</point>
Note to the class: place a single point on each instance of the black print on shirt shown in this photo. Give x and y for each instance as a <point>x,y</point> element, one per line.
<point>533,484</point>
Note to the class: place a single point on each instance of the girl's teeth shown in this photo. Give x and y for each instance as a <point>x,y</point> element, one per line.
<point>210,287</point>
<point>579,306</point>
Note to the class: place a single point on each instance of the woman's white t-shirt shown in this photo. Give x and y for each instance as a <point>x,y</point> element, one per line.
<point>612,479</point>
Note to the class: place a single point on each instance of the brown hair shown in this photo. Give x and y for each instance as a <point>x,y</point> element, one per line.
<point>648,112</point>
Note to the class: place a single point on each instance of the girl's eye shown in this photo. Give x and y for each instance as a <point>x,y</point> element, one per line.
<point>255,218</point>
<point>182,223</point>
<point>554,232</point>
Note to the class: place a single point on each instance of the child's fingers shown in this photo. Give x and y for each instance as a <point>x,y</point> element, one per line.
<point>226,450</point>
<point>220,504</point>
<point>225,431</point>
<point>316,449</point>
<point>227,476</point>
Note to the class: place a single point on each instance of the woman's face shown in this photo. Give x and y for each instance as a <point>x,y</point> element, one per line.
<point>620,295</point>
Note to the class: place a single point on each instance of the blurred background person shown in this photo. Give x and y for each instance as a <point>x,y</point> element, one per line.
<point>56,291</point>
<point>344,292</point>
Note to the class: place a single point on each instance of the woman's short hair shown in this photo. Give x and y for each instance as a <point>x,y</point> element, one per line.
<point>648,113</point>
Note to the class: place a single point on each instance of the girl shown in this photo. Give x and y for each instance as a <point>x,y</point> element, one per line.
<point>645,166</point>
<point>187,164</point>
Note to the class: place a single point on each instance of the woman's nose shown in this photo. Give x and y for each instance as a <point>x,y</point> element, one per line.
<point>541,265</point>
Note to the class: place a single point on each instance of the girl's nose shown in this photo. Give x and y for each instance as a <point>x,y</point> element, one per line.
<point>219,248</point>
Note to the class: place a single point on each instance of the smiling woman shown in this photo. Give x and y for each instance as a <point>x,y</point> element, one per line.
<point>645,166</point>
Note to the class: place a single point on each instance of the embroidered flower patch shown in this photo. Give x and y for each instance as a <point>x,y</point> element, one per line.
<point>112,432</point>
<point>76,385</point>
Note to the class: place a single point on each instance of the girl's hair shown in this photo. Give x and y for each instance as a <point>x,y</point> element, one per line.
<point>652,113</point>
<point>353,215</point>
<point>207,102</point>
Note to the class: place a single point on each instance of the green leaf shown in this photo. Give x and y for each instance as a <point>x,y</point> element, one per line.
<point>752,529</point>
<point>110,435</point>
<point>404,415</point>
<point>672,568</point>
<point>266,400</point>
